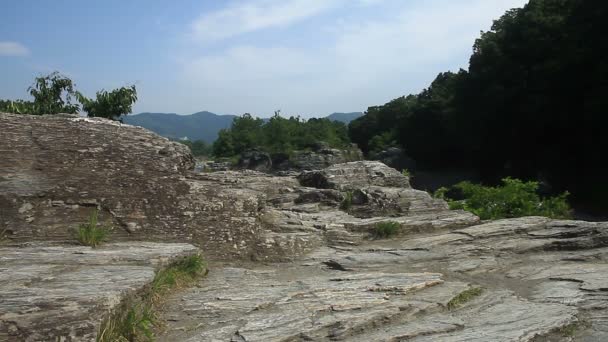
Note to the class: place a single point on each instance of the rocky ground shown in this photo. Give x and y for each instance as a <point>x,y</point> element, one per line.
<point>62,293</point>
<point>292,257</point>
<point>539,279</point>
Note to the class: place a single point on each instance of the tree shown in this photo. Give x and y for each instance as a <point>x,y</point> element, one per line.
<point>111,105</point>
<point>52,95</point>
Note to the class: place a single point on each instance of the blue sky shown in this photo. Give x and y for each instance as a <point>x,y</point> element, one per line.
<point>306,57</point>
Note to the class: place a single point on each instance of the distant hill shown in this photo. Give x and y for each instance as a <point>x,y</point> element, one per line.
<point>345,117</point>
<point>198,126</point>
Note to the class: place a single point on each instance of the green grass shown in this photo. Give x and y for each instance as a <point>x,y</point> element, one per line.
<point>347,202</point>
<point>90,233</point>
<point>137,320</point>
<point>406,173</point>
<point>384,230</point>
<point>464,297</point>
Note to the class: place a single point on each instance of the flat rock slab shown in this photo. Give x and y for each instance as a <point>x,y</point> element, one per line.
<point>50,293</point>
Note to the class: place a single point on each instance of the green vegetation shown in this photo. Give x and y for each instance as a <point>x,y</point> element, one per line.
<point>532,97</point>
<point>198,148</point>
<point>384,230</point>
<point>278,135</point>
<point>406,173</point>
<point>90,234</point>
<point>136,320</point>
<point>53,95</point>
<point>109,105</point>
<point>514,199</point>
<point>464,297</point>
<point>347,202</point>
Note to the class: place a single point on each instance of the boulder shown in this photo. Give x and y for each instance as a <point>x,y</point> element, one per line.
<point>55,170</point>
<point>353,176</point>
<point>255,159</point>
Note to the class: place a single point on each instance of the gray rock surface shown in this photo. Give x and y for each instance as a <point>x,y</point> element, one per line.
<point>62,293</point>
<point>323,157</point>
<point>255,160</point>
<point>542,279</point>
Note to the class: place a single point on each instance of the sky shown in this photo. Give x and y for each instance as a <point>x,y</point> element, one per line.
<point>303,57</point>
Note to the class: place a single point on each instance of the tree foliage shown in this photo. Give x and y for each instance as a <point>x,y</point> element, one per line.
<point>109,105</point>
<point>530,105</point>
<point>278,135</point>
<point>52,95</point>
<point>198,148</point>
<point>514,198</point>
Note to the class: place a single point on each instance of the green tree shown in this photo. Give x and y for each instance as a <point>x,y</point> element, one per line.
<point>52,95</point>
<point>111,105</point>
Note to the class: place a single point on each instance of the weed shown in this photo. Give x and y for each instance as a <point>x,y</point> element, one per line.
<point>135,321</point>
<point>89,234</point>
<point>384,230</point>
<point>464,297</point>
<point>347,202</point>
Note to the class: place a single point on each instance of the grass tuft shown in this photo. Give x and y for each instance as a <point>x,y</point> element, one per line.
<point>464,297</point>
<point>384,230</point>
<point>90,234</point>
<point>136,321</point>
<point>347,202</point>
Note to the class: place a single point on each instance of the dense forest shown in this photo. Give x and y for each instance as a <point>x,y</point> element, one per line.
<point>531,104</point>
<point>278,135</point>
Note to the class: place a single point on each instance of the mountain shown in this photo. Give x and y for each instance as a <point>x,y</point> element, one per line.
<point>198,126</point>
<point>345,117</point>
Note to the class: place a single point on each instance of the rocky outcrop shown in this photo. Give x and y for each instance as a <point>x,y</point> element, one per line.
<point>62,293</point>
<point>323,157</point>
<point>255,160</point>
<point>415,288</point>
<point>55,170</point>
<point>442,276</point>
<point>353,176</point>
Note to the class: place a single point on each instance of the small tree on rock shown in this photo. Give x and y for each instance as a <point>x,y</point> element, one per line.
<point>111,105</point>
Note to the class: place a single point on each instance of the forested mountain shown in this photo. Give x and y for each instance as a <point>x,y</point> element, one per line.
<point>344,117</point>
<point>531,105</point>
<point>199,126</point>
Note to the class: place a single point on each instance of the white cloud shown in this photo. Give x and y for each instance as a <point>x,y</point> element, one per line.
<point>366,62</point>
<point>13,49</point>
<point>248,17</point>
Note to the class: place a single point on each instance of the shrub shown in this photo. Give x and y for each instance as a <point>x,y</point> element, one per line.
<point>384,230</point>
<point>89,234</point>
<point>514,198</point>
<point>406,173</point>
<point>347,202</point>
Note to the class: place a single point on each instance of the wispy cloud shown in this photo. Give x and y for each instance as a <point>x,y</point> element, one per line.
<point>248,17</point>
<point>13,49</point>
<point>362,62</point>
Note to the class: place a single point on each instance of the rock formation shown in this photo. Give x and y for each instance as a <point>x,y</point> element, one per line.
<point>443,276</point>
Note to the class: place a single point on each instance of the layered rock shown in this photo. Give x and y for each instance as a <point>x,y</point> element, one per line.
<point>62,293</point>
<point>55,170</point>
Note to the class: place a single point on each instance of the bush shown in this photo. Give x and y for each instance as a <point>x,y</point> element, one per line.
<point>385,230</point>
<point>514,199</point>
<point>89,234</point>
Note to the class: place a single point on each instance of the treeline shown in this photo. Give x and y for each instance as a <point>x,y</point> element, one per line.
<point>278,135</point>
<point>54,94</point>
<point>531,105</point>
